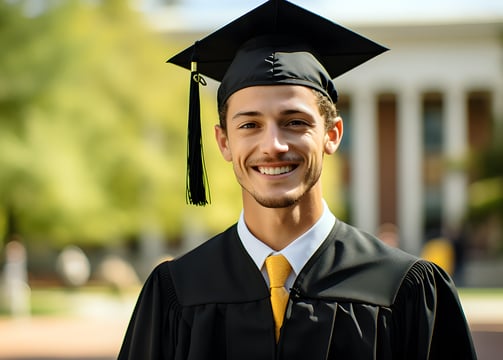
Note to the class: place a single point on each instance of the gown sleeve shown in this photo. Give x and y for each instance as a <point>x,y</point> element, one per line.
<point>428,319</point>
<point>153,328</point>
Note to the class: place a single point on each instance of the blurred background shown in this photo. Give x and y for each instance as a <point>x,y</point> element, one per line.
<point>93,141</point>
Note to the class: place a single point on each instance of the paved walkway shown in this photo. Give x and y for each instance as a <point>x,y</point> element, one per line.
<point>60,337</point>
<point>96,332</point>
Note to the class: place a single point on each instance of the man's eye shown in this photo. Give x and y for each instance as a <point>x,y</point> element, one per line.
<point>248,126</point>
<point>297,122</point>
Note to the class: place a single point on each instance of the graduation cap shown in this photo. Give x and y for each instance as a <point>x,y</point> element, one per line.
<point>276,43</point>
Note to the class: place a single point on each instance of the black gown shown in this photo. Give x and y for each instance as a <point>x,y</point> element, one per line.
<point>356,298</point>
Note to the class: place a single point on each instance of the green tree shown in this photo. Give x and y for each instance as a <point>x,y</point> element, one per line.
<point>92,127</point>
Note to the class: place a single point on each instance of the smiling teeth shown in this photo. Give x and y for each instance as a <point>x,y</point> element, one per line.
<point>275,170</point>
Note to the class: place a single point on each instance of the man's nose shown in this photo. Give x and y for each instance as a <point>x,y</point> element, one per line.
<point>273,140</point>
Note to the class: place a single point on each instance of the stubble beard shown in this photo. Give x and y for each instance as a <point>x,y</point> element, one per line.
<point>275,203</point>
<point>286,200</point>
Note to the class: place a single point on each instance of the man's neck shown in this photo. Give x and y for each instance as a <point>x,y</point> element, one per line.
<point>278,227</point>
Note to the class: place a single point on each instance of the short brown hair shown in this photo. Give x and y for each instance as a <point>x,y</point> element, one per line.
<point>326,108</point>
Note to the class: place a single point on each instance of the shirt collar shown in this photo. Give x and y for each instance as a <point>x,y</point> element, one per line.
<point>298,251</point>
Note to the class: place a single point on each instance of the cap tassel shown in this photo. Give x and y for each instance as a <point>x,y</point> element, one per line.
<point>197,180</point>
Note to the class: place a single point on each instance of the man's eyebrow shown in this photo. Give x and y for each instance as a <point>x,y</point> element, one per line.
<point>253,113</point>
<point>292,112</point>
<point>250,113</point>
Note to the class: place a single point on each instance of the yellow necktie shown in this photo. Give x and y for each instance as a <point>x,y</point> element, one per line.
<point>278,269</point>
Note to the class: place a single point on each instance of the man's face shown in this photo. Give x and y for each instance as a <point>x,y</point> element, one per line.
<point>276,139</point>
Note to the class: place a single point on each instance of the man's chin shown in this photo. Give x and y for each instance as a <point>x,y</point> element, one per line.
<point>276,203</point>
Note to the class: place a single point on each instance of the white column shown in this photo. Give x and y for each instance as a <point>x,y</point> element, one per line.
<point>410,175</point>
<point>455,151</point>
<point>364,178</point>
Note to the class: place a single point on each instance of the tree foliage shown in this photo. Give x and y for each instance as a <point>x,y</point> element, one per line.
<point>92,126</point>
<point>486,192</point>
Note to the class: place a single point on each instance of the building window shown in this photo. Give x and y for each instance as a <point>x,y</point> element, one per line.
<point>479,120</point>
<point>433,114</point>
<point>387,145</point>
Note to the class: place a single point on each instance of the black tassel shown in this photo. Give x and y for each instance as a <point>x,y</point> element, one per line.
<point>196,181</point>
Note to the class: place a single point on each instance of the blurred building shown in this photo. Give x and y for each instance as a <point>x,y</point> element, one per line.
<point>412,116</point>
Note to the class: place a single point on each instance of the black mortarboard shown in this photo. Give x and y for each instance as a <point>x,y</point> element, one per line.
<point>275,43</point>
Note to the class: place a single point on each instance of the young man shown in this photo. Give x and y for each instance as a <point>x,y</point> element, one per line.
<point>289,280</point>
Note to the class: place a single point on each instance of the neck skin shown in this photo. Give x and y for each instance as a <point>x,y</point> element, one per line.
<point>278,227</point>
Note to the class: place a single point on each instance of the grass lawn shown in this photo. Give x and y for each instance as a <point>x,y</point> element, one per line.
<point>66,301</point>
<point>488,293</point>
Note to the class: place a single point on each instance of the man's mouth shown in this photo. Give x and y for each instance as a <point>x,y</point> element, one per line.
<point>275,170</point>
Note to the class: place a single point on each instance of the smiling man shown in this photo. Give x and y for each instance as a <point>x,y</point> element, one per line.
<point>276,137</point>
<point>289,280</point>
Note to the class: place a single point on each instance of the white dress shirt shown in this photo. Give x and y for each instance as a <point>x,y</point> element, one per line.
<point>298,252</point>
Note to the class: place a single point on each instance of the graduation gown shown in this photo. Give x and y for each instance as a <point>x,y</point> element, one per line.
<point>356,298</point>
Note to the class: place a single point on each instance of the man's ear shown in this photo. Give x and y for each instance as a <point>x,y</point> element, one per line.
<point>223,142</point>
<point>334,136</point>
